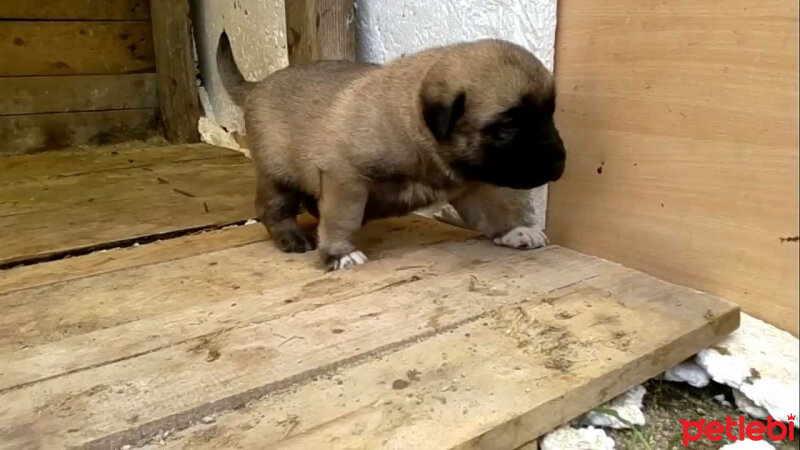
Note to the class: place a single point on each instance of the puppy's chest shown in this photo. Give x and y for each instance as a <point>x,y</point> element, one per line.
<point>414,193</point>
<point>406,196</point>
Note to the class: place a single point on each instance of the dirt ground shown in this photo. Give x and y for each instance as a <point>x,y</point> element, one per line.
<point>666,403</point>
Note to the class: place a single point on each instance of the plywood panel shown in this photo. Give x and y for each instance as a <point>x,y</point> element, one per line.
<point>397,349</point>
<point>64,212</point>
<point>75,9</point>
<point>37,132</point>
<point>72,48</point>
<point>31,95</point>
<point>680,120</point>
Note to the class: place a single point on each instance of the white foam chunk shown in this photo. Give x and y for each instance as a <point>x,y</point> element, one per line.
<point>721,400</point>
<point>688,372</point>
<point>748,445</point>
<point>761,362</point>
<point>628,406</point>
<point>748,407</point>
<point>212,133</point>
<point>568,438</point>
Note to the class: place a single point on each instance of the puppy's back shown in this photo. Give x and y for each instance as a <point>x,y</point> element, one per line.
<point>286,114</point>
<point>308,87</point>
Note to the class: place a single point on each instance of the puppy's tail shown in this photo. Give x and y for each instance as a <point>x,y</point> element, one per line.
<point>232,79</point>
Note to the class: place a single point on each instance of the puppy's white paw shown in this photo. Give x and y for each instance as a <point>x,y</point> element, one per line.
<point>524,238</point>
<point>351,259</point>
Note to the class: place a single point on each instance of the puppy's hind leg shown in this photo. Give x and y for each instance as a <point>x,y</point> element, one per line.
<point>277,206</point>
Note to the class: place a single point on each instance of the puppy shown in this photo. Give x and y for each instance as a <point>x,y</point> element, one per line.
<point>470,124</point>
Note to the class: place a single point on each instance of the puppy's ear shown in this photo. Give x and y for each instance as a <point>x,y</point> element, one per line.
<point>440,117</point>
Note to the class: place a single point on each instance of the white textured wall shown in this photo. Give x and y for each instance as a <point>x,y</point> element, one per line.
<point>257,31</point>
<point>388,29</point>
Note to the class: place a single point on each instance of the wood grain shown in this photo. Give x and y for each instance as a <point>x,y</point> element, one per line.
<point>57,212</point>
<point>321,29</point>
<point>75,9</point>
<point>250,332</point>
<point>177,82</point>
<point>31,95</point>
<point>681,126</point>
<point>75,48</point>
<point>96,263</point>
<point>81,161</point>
<point>38,132</point>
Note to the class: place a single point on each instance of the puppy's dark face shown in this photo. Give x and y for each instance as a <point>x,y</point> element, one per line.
<point>502,133</point>
<point>520,149</point>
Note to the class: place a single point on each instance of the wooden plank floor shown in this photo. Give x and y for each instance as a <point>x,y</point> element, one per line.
<point>56,203</point>
<point>218,340</point>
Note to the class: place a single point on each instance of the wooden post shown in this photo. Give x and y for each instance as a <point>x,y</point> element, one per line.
<point>175,70</point>
<point>321,30</point>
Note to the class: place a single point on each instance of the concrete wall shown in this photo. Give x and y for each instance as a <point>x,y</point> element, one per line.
<point>388,29</point>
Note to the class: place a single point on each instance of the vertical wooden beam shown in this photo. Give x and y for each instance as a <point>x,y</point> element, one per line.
<point>321,30</point>
<point>175,70</point>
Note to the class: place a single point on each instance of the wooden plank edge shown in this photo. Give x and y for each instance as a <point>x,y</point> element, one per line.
<point>615,382</point>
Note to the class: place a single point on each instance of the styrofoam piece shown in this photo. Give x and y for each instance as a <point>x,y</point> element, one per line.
<point>761,362</point>
<point>568,438</point>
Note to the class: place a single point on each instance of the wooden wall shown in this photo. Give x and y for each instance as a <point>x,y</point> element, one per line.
<point>681,125</point>
<point>320,29</point>
<point>75,72</point>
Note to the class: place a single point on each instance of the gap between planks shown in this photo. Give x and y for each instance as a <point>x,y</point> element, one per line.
<point>58,204</point>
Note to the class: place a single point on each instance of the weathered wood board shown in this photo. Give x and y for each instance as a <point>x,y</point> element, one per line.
<point>176,73</point>
<point>75,48</point>
<point>32,95</point>
<point>438,330</point>
<point>680,118</point>
<point>75,9</point>
<point>30,133</point>
<point>54,203</point>
<point>320,29</point>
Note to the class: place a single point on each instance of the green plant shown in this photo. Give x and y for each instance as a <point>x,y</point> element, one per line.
<point>634,429</point>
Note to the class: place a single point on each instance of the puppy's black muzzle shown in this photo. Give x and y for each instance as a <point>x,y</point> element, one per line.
<point>530,159</point>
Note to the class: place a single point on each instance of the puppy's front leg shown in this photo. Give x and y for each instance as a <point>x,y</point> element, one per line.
<point>341,209</point>
<point>505,215</point>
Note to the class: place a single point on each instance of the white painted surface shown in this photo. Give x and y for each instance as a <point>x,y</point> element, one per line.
<point>388,29</point>
<point>257,32</point>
